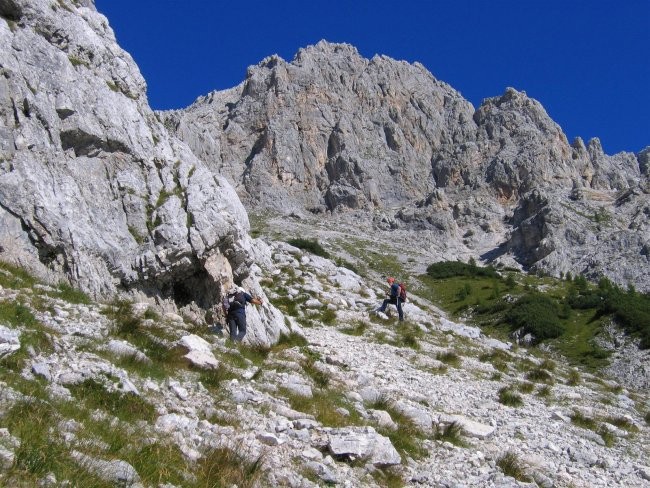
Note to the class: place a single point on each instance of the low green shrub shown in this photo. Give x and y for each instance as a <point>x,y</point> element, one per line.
<point>309,245</point>
<point>449,269</point>
<point>536,314</point>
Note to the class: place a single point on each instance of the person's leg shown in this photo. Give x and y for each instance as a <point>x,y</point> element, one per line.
<point>241,322</point>
<point>384,305</point>
<point>400,312</point>
<point>232,325</point>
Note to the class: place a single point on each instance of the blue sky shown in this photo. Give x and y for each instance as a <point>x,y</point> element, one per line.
<point>586,61</point>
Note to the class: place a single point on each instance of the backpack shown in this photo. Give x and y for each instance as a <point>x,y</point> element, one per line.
<point>233,301</point>
<point>402,292</point>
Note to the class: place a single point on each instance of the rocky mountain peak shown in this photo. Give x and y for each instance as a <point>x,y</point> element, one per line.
<point>332,132</point>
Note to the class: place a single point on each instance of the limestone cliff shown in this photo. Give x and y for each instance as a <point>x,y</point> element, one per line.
<point>92,188</point>
<point>332,131</point>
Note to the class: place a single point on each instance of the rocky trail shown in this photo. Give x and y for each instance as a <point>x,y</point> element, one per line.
<point>360,400</point>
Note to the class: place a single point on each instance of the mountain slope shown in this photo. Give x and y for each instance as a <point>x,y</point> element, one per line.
<point>331,131</point>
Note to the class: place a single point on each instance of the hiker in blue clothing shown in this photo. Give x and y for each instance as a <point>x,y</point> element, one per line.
<point>393,298</point>
<point>235,306</point>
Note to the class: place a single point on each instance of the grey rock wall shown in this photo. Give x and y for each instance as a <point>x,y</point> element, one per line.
<point>93,189</point>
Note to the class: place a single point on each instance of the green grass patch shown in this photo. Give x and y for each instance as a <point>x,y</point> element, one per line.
<point>539,375</point>
<point>41,451</point>
<point>407,438</point>
<point>622,423</point>
<point>510,398</point>
<point>70,294</point>
<point>498,358</point>
<point>388,477</point>
<point>225,467</point>
<point>581,420</point>
<point>213,378</point>
<point>452,433</point>
<point>512,466</point>
<point>159,463</point>
<point>324,406</point>
<point>286,305</point>
<point>320,378</point>
<point>526,387</point>
<point>326,316</point>
<point>15,314</point>
<point>128,406</point>
<point>357,328</point>
<point>573,377</point>
<point>15,277</point>
<point>450,358</point>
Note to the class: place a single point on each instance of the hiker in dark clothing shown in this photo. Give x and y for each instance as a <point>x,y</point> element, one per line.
<point>393,298</point>
<point>236,317</point>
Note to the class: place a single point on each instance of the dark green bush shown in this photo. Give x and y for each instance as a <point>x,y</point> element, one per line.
<point>450,269</point>
<point>536,314</point>
<point>631,310</point>
<point>310,245</point>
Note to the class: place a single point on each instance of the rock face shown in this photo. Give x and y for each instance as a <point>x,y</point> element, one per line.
<point>92,187</point>
<point>331,131</point>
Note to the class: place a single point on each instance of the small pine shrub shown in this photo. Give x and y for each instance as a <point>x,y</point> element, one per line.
<point>536,314</point>
<point>451,269</point>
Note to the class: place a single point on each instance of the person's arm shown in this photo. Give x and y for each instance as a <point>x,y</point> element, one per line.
<point>253,300</point>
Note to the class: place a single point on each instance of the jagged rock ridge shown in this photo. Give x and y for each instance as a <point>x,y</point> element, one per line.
<point>332,131</point>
